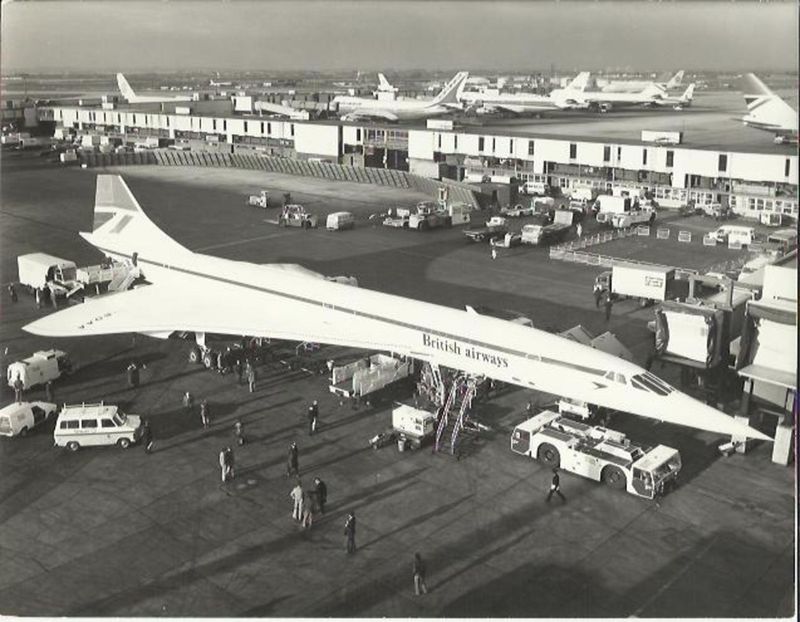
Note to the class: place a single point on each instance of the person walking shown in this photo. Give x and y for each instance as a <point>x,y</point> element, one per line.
<point>313,414</point>
<point>19,387</point>
<point>38,297</point>
<point>237,367</point>
<point>555,487</point>
<point>223,464</point>
<point>579,230</point>
<point>238,432</point>
<point>494,253</point>
<point>133,375</point>
<point>292,461</point>
<point>147,437</point>
<point>321,493</point>
<point>231,461</point>
<point>251,378</point>
<point>607,306</point>
<point>12,292</point>
<point>350,533</point>
<point>597,292</point>
<point>188,403</point>
<point>297,496</point>
<point>49,395</point>
<point>205,417</point>
<point>419,575</point>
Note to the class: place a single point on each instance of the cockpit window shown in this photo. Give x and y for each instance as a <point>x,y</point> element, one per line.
<point>614,377</point>
<point>649,382</point>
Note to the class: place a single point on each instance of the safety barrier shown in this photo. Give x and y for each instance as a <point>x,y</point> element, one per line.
<point>643,230</point>
<point>684,236</point>
<point>662,234</point>
<point>709,239</point>
<point>735,245</point>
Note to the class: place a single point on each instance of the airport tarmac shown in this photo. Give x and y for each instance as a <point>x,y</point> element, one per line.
<point>119,533</point>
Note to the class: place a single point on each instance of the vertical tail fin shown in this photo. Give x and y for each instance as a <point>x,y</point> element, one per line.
<point>689,93</point>
<point>451,91</point>
<point>383,83</point>
<point>753,89</point>
<point>580,82</point>
<point>125,88</point>
<point>676,80</point>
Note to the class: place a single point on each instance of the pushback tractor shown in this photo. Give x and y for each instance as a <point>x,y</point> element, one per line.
<point>597,453</point>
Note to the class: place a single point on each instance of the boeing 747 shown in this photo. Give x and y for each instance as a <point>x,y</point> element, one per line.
<point>766,111</point>
<point>199,293</point>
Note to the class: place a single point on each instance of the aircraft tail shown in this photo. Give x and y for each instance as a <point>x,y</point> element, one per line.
<point>121,229</point>
<point>383,83</point>
<point>451,91</point>
<point>676,80</point>
<point>580,82</point>
<point>688,93</point>
<point>125,88</point>
<point>753,88</point>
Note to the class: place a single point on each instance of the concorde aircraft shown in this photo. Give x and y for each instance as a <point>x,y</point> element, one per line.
<point>131,97</point>
<point>203,294</point>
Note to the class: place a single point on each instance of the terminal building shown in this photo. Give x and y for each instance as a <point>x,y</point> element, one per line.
<point>750,181</point>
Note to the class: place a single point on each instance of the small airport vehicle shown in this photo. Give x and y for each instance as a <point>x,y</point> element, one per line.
<point>259,200</point>
<point>738,233</point>
<point>398,218</point>
<point>544,234</point>
<point>586,195</point>
<point>428,215</point>
<point>413,425</point>
<point>714,210</point>
<point>339,221</point>
<point>606,206</point>
<point>597,453</point>
<point>43,271</point>
<point>495,227</point>
<point>543,203</point>
<point>536,188</point>
<point>784,239</point>
<point>19,419</point>
<point>296,216</point>
<point>642,215</point>
<point>517,211</point>
<point>39,368</point>
<point>509,240</point>
<point>663,138</point>
<point>86,425</point>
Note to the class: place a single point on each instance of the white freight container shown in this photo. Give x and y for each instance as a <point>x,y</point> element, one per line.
<point>648,283</point>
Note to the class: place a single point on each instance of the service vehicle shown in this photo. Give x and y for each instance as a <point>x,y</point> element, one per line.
<point>43,271</point>
<point>460,213</point>
<point>294,215</point>
<point>598,453</point>
<point>770,219</point>
<point>103,274</point>
<point>259,200</point>
<point>784,239</point>
<point>19,419</point>
<point>661,137</point>
<point>535,188</point>
<point>495,227</point>
<point>397,218</point>
<point>339,221</point>
<point>39,368</point>
<point>543,203</point>
<point>413,426</point>
<point>606,206</point>
<point>647,283</point>
<point>70,155</point>
<point>734,233</point>
<point>428,215</point>
<point>714,210</point>
<point>543,234</point>
<point>509,240</point>
<point>87,425</point>
<point>368,375</point>
<point>517,211</point>
<point>636,216</point>
<point>583,194</point>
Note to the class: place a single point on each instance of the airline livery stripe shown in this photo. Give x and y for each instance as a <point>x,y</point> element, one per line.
<point>370,316</point>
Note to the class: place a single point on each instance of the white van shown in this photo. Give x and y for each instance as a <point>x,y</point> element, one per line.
<point>582,194</point>
<point>340,220</point>
<point>85,425</point>
<point>19,419</point>
<point>536,188</point>
<point>43,366</point>
<point>734,233</point>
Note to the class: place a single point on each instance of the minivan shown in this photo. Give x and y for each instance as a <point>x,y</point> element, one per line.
<point>734,233</point>
<point>96,424</point>
<point>340,220</point>
<point>19,419</point>
<point>538,188</point>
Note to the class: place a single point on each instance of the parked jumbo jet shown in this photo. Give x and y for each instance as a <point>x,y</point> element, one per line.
<point>488,101</point>
<point>604,102</point>
<point>665,82</point>
<point>204,294</point>
<point>767,111</point>
<point>352,108</point>
<point>129,94</point>
<point>678,102</point>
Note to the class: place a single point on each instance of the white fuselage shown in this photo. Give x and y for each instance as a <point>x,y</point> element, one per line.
<point>403,109</point>
<point>524,102</point>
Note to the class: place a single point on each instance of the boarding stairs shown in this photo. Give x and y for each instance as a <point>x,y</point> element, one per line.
<point>431,385</point>
<point>123,282</point>
<point>454,413</point>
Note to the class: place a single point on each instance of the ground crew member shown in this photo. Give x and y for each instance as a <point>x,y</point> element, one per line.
<point>38,296</point>
<point>350,532</point>
<point>607,306</point>
<point>321,490</point>
<point>133,375</point>
<point>188,402</point>
<point>147,437</point>
<point>555,487</point>
<point>494,253</point>
<point>251,378</point>
<point>204,414</point>
<point>291,465</point>
<point>579,229</point>
<point>221,363</point>
<point>313,414</point>
<point>597,292</point>
<point>297,496</point>
<point>19,387</point>
<point>238,432</point>
<point>223,464</point>
<point>48,391</point>
<point>419,575</point>
<point>230,462</point>
<point>237,367</point>
<point>307,515</point>
<point>12,292</point>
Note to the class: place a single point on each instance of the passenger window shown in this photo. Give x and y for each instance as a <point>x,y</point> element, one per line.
<point>63,425</point>
<point>621,379</point>
<point>73,425</point>
<point>88,423</point>
<point>107,423</point>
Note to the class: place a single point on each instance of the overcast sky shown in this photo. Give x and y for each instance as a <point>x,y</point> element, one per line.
<point>167,36</point>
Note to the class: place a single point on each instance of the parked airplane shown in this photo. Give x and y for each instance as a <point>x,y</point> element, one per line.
<point>352,108</point>
<point>488,101</point>
<point>678,102</point>
<point>129,94</point>
<point>384,86</point>
<point>766,111</point>
<point>606,101</point>
<point>666,82</point>
<point>203,294</point>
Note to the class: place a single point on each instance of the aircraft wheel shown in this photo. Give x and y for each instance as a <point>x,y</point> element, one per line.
<point>549,455</point>
<point>613,477</point>
<point>195,356</point>
<point>124,443</point>
<point>209,359</point>
<point>73,446</point>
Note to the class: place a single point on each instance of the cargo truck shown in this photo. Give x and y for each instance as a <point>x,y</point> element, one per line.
<point>39,368</point>
<point>607,206</point>
<point>647,283</point>
<point>597,453</point>
<point>636,216</point>
<point>39,271</point>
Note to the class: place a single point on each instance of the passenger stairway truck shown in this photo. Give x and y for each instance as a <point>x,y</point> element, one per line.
<point>647,283</point>
<point>368,375</point>
<point>597,453</point>
<point>454,413</point>
<point>495,227</point>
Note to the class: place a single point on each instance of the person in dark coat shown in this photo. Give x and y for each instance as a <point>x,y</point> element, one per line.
<point>607,306</point>
<point>251,378</point>
<point>49,395</point>
<point>321,493</point>
<point>12,292</point>
<point>147,437</point>
<point>133,375</point>
<point>555,487</point>
<point>419,575</point>
<point>292,461</point>
<point>597,292</point>
<point>19,387</point>
<point>350,532</point>
<point>188,402</point>
<point>205,416</point>
<point>313,414</point>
